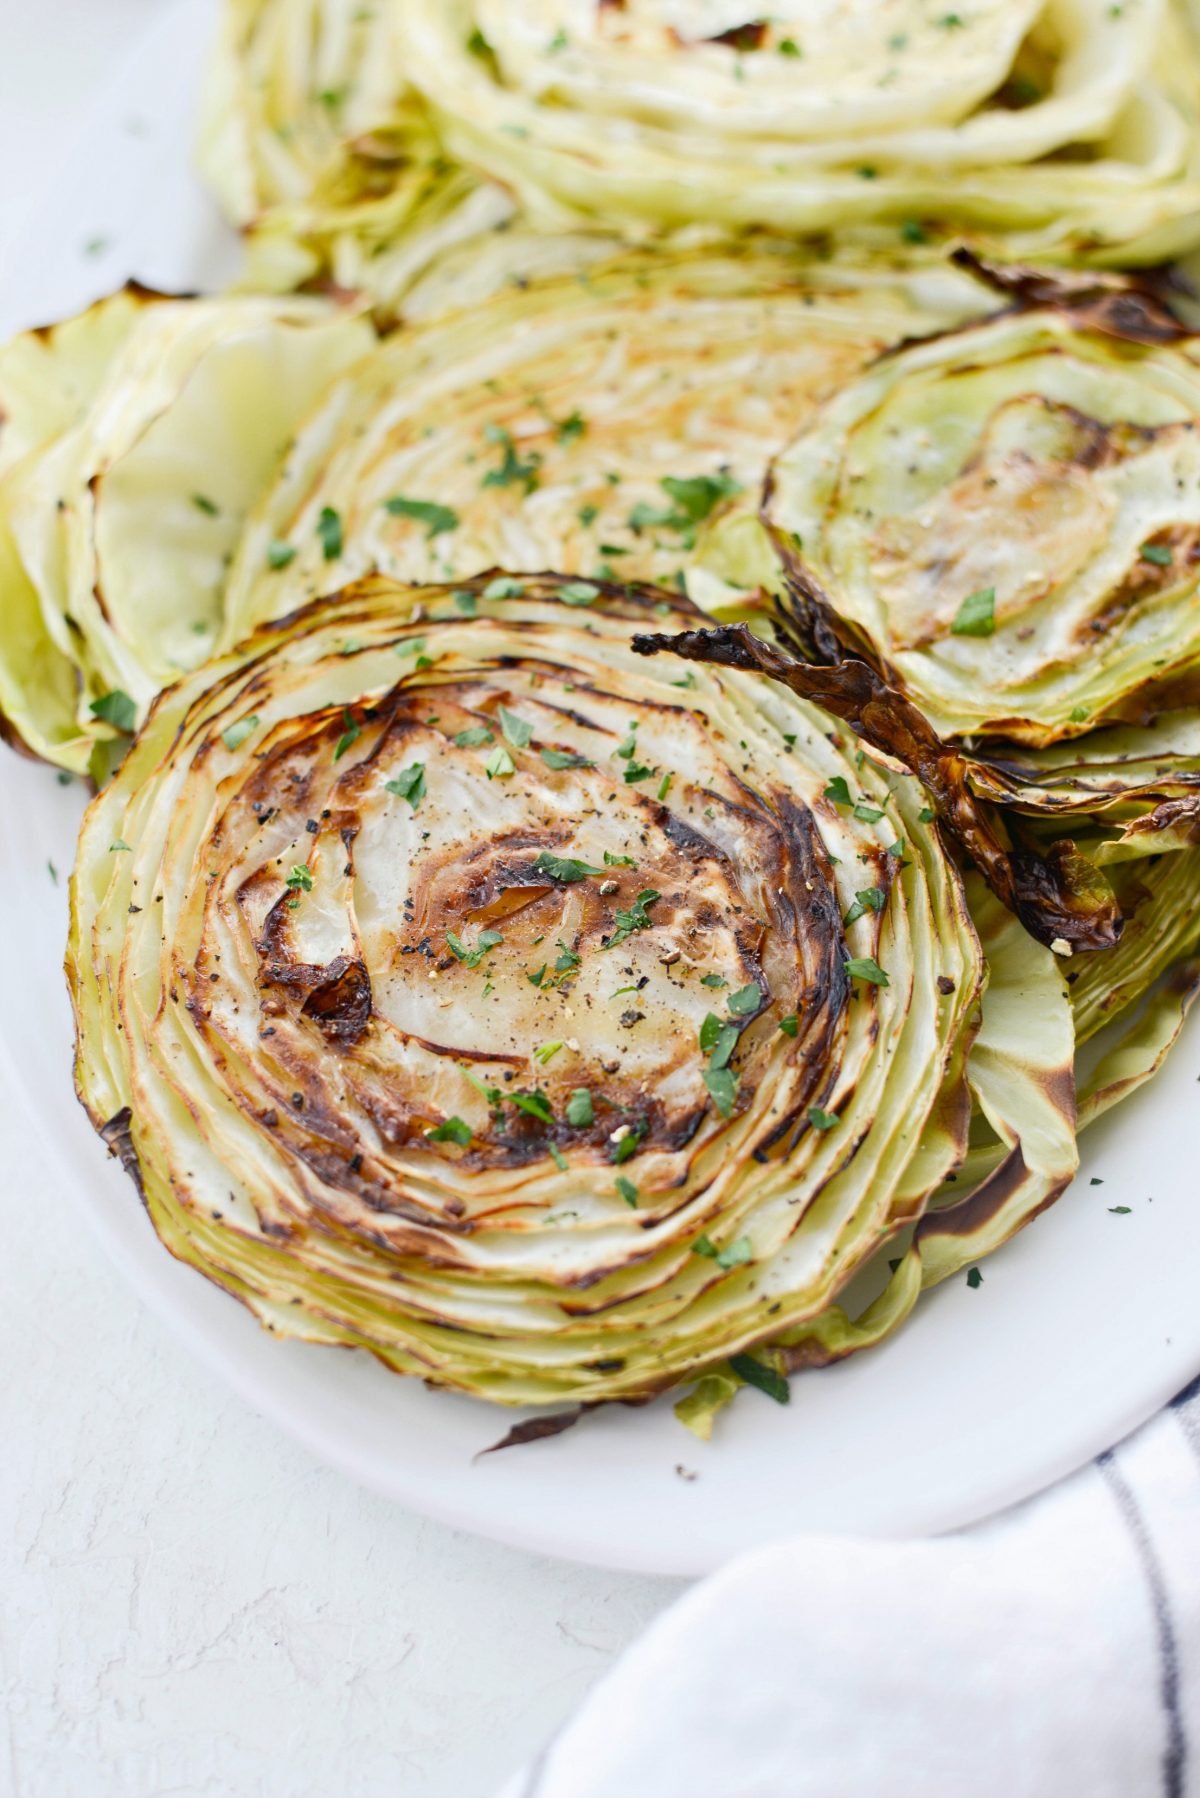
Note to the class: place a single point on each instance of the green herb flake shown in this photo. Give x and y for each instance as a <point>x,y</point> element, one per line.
<point>1158,553</point>
<point>870,899</point>
<point>499,764</point>
<point>279,553</point>
<point>512,470</point>
<point>714,980</point>
<point>747,999</point>
<point>120,847</point>
<point>466,603</point>
<point>409,784</point>
<point>976,617</point>
<point>758,1374</point>
<point>823,1120</point>
<point>867,814</point>
<point>618,861</point>
<point>517,731</point>
<point>453,1130</point>
<point>564,869</point>
<point>790,1025</point>
<point>436,518</point>
<point>546,1052</point>
<point>350,735</point>
<point>488,940</point>
<point>925,815</point>
<point>535,1105</point>
<point>974,1278</point>
<point>1120,1210</point>
<point>627,1189</point>
<point>701,494</point>
<point>580,1110</point>
<point>115,708</point>
<point>563,758</point>
<point>722,1084</point>
<point>578,593</point>
<point>503,587</point>
<point>864,967</point>
<point>637,917</point>
<point>329,532</point>
<point>838,791</point>
<point>300,878</point>
<point>474,738</point>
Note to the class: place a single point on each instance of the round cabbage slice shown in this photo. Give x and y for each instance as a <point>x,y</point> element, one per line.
<point>1006,520</point>
<point>457,984</point>
<point>616,425</point>
<point>137,437</point>
<point>1067,127</point>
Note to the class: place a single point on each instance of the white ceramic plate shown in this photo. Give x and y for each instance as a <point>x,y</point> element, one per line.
<point>1082,1327</point>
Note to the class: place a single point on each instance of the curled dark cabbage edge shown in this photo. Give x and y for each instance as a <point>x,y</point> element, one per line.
<point>1059,896</point>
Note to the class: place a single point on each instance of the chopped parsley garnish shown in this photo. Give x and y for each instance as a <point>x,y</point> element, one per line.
<point>563,758</point>
<point>465,603</point>
<point>822,1120</point>
<point>535,1105</point>
<point>563,868</point>
<point>870,899</point>
<point>664,787</point>
<point>559,1159</point>
<point>546,1052</point>
<point>512,471</point>
<point>627,1189</point>
<point>488,940</point>
<point>628,1143</point>
<point>580,1111</point>
<point>699,495</point>
<point>976,617</point>
<point>517,731</point>
<point>766,1379</point>
<point>618,861</point>
<point>636,918</point>
<point>867,814</point>
<point>578,593</point>
<point>722,1084</point>
<point>787,46</point>
<point>453,1130</point>
<point>745,1000</point>
<point>1158,553</point>
<point>115,708</point>
<point>912,231</point>
<point>437,519</point>
<point>864,967</point>
<point>120,847</point>
<point>409,784</point>
<point>736,1255</point>
<point>1120,1210</point>
<point>637,771</point>
<point>350,735</point>
<point>567,960</point>
<point>499,764</point>
<point>790,1025</point>
<point>839,791</point>
<point>209,507</point>
<point>329,531</point>
<point>279,553</point>
<point>713,980</point>
<point>234,735</point>
<point>536,978</point>
<point>974,1278</point>
<point>503,587</point>
<point>300,877</point>
<point>925,815</point>
<point>475,737</point>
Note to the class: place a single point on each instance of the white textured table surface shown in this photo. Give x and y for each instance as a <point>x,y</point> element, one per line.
<point>191,1605</point>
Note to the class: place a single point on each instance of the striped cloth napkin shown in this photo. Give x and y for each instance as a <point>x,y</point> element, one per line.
<point>1052,1651</point>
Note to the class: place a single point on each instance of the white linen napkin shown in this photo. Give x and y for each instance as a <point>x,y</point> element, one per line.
<point>1052,1651</point>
